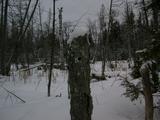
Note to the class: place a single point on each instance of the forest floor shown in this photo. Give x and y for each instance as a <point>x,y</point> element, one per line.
<point>108,101</point>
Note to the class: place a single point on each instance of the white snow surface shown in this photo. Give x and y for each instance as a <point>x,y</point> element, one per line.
<point>108,101</point>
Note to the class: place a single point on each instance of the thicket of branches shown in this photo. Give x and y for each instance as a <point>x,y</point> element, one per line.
<point>26,38</point>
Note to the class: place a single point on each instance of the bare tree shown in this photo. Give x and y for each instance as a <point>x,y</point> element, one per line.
<point>2,38</point>
<point>40,18</point>
<point>61,41</point>
<point>51,52</point>
<point>93,32</point>
<point>103,31</point>
<point>4,22</point>
<point>23,29</point>
<point>145,12</point>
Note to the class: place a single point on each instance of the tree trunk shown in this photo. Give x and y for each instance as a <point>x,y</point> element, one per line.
<point>52,52</point>
<point>4,66</point>
<point>145,73</point>
<point>61,39</point>
<point>155,15</point>
<point>145,13</point>
<point>2,38</point>
<point>79,80</point>
<point>103,60</point>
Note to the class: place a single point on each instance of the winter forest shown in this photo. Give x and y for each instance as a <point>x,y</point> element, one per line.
<point>79,59</point>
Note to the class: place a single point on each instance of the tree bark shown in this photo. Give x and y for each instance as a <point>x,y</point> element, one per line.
<point>155,15</point>
<point>2,38</point>
<point>52,52</point>
<point>61,39</point>
<point>79,80</point>
<point>145,13</point>
<point>4,66</point>
<point>145,73</point>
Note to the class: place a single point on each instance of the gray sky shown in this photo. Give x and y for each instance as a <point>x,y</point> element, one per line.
<point>74,9</point>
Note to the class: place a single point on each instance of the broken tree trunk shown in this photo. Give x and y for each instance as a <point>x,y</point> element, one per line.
<point>79,79</point>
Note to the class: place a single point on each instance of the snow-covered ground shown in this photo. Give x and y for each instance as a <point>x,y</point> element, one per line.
<point>109,103</point>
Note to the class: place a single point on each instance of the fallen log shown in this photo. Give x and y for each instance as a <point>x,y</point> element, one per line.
<point>97,77</point>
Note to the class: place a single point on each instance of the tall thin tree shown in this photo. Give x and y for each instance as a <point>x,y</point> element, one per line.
<point>4,37</point>
<point>52,52</point>
<point>1,35</point>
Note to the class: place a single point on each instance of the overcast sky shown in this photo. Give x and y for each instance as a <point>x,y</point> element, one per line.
<point>74,9</point>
